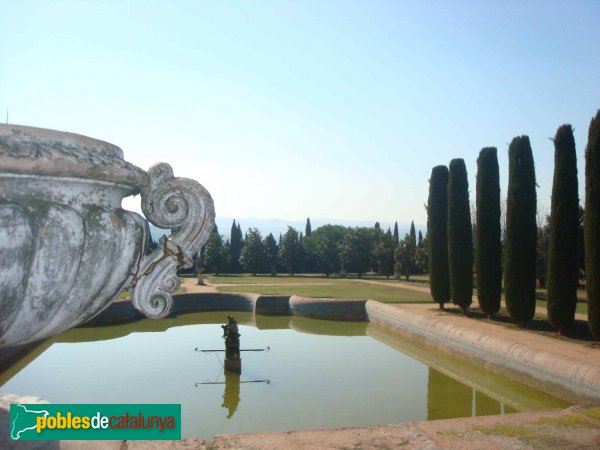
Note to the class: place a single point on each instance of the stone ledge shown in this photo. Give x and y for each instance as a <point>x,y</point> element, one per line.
<point>329,308</point>
<point>561,375</point>
<point>277,305</point>
<point>573,428</point>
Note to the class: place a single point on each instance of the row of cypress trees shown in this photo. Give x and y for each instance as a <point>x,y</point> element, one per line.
<point>450,240</point>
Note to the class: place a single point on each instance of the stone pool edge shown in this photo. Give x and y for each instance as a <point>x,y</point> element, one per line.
<point>569,378</point>
<point>534,429</point>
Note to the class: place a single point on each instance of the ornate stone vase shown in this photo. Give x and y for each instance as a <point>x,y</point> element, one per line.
<point>67,248</point>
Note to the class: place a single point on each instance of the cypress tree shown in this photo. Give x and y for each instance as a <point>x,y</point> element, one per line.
<point>420,242</point>
<point>437,235</point>
<point>308,228</point>
<point>592,225</point>
<point>213,255</point>
<point>413,234</point>
<point>521,233</point>
<point>488,255</point>
<point>396,235</point>
<point>460,237</point>
<point>272,250</point>
<point>235,249</point>
<point>563,273</point>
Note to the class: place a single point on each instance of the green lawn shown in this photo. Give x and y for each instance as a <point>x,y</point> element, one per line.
<point>541,296</point>
<point>268,279</point>
<point>343,288</point>
<point>325,287</point>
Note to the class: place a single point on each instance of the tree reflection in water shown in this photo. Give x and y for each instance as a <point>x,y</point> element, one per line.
<point>448,398</point>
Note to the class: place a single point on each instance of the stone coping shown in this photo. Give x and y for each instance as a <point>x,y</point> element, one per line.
<point>561,369</point>
<point>35,152</point>
<point>268,305</point>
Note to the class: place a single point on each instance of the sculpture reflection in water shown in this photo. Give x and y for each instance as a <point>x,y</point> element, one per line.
<point>231,396</point>
<point>232,367</point>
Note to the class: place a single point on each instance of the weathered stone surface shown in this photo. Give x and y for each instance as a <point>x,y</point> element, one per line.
<point>66,246</point>
<point>566,370</point>
<point>328,308</point>
<point>185,207</point>
<point>41,152</point>
<point>573,428</point>
<point>273,305</point>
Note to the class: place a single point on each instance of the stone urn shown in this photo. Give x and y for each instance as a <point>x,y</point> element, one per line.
<point>67,248</point>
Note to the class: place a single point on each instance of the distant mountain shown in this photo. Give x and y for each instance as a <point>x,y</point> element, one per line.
<point>277,226</point>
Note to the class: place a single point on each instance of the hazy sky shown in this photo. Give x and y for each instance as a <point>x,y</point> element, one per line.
<point>285,109</point>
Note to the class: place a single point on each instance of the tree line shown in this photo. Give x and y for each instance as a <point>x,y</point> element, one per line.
<point>557,253</point>
<point>329,249</point>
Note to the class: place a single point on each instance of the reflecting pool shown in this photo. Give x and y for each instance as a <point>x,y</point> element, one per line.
<point>317,374</point>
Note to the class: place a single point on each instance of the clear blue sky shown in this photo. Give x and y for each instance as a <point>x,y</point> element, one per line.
<point>285,109</point>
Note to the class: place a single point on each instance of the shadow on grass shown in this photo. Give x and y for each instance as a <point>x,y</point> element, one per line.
<point>542,296</point>
<point>579,332</point>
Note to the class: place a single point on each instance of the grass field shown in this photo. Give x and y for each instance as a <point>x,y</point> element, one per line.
<point>317,287</point>
<point>541,296</point>
<point>267,279</point>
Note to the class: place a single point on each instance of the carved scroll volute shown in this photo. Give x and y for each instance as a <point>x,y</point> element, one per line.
<point>184,206</point>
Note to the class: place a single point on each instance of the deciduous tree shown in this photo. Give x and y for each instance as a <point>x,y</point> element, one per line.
<point>328,240</point>
<point>405,257</point>
<point>356,250</point>
<point>213,256</point>
<point>290,251</point>
<point>385,254</point>
<point>254,253</point>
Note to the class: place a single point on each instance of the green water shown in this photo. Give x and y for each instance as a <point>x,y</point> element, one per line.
<point>320,373</point>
